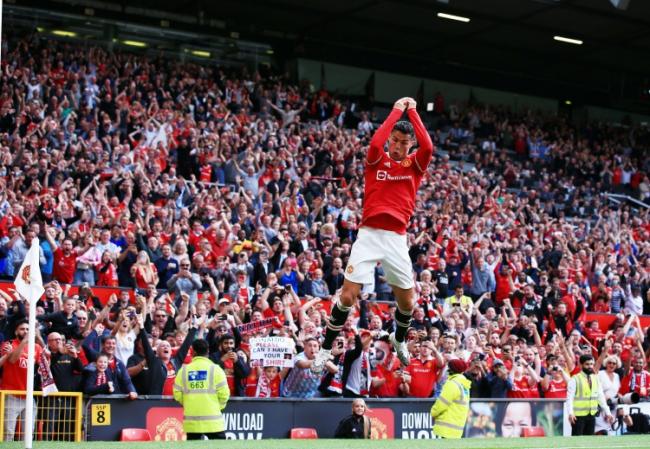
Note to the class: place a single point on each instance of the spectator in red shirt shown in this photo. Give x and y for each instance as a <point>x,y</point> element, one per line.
<point>65,261</point>
<point>14,377</point>
<point>504,276</point>
<point>144,272</point>
<point>423,372</point>
<point>524,380</point>
<point>220,243</point>
<point>638,380</point>
<point>554,383</point>
<point>268,381</point>
<point>107,271</point>
<point>386,373</point>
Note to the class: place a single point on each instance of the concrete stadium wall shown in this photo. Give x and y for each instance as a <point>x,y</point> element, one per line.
<point>390,86</point>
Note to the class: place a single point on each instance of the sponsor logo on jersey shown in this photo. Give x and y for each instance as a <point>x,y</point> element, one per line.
<point>382,175</point>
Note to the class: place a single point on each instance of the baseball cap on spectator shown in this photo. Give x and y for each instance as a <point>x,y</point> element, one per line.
<point>224,301</point>
<point>457,365</point>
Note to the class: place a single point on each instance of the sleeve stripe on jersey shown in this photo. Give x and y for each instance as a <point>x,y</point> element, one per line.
<point>377,161</point>
<point>418,164</point>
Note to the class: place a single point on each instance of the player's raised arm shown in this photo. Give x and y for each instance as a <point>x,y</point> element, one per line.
<point>383,132</point>
<point>425,150</point>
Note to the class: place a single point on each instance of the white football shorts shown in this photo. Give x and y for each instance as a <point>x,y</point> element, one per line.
<point>378,245</point>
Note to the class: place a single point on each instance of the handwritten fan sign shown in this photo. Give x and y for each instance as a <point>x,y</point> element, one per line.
<point>272,351</point>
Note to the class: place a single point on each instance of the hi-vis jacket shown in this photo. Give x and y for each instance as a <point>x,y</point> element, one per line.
<point>202,390</point>
<point>452,407</point>
<point>583,399</point>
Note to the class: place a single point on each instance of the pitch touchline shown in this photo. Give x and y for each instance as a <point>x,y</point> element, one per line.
<point>585,447</point>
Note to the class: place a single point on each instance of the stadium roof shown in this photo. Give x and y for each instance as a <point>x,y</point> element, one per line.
<point>511,40</point>
<point>506,44</point>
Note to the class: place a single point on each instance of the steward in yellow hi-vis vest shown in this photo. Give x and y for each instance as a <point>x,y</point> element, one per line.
<point>202,390</point>
<point>451,409</point>
<point>584,397</point>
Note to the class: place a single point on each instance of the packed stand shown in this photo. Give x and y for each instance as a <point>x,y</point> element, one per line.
<point>224,205</point>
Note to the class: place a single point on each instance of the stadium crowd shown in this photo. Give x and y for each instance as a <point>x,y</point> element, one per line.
<point>224,204</point>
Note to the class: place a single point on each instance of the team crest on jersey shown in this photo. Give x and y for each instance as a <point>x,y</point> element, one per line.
<point>407,163</point>
<point>25,274</point>
<point>350,269</point>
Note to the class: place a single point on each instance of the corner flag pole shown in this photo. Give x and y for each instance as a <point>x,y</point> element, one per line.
<point>29,284</point>
<point>29,411</point>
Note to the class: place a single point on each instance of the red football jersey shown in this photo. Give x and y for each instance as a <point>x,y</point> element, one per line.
<point>14,376</point>
<point>389,196</point>
<point>424,376</point>
<point>64,266</point>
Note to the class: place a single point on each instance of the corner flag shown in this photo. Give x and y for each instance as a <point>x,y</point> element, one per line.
<point>29,282</point>
<point>29,285</point>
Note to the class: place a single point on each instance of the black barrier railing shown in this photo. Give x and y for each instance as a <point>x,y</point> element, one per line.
<point>250,418</point>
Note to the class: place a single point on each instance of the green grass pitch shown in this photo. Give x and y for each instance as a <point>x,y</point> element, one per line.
<point>622,442</point>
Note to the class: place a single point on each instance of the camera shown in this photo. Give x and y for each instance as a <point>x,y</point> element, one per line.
<point>626,399</point>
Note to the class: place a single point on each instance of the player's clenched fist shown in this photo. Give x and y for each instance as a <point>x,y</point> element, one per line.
<point>405,103</point>
<point>400,104</point>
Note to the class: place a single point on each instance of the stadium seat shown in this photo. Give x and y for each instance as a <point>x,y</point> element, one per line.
<point>135,435</point>
<point>303,433</point>
<point>532,432</point>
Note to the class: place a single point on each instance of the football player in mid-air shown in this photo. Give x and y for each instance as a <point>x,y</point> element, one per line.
<point>391,181</point>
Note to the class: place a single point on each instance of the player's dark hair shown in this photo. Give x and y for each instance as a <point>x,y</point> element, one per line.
<point>585,358</point>
<point>404,127</point>
<point>200,347</point>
